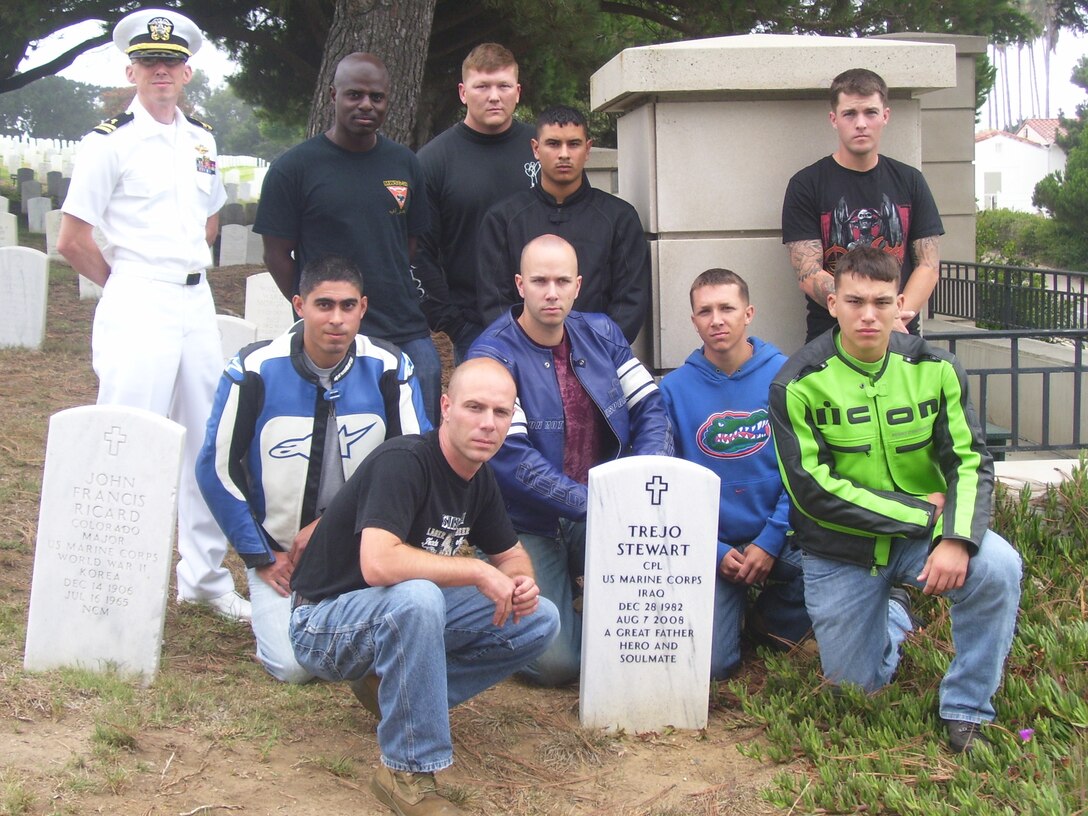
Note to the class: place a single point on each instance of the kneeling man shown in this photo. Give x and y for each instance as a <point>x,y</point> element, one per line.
<point>883,456</point>
<point>292,420</point>
<point>380,596</point>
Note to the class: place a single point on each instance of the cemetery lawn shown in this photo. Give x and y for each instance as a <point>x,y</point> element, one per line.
<point>214,734</point>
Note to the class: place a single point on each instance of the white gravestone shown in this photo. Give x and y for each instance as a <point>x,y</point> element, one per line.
<point>36,209</point>
<point>105,541</point>
<point>651,548</point>
<point>266,307</point>
<point>254,246</point>
<point>234,333</point>
<point>232,245</point>
<point>52,231</point>
<point>24,279</point>
<point>9,229</point>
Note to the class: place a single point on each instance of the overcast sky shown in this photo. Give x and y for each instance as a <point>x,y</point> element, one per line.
<point>104,66</point>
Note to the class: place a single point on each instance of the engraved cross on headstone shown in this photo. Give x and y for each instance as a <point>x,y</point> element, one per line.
<point>115,438</point>
<point>655,487</point>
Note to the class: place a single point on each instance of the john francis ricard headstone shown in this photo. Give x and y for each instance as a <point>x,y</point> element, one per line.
<point>651,547</point>
<point>105,541</point>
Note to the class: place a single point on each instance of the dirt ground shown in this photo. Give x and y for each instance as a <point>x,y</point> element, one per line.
<point>215,735</point>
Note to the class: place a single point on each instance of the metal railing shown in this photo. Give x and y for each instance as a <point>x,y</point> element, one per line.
<point>1031,374</point>
<point>1011,297</point>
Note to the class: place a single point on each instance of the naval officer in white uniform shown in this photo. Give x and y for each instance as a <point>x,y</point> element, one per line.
<point>148,180</point>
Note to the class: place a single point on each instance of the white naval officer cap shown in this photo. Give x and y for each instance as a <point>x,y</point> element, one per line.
<point>157,33</point>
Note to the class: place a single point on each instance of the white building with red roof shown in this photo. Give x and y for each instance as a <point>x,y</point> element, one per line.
<point>1008,166</point>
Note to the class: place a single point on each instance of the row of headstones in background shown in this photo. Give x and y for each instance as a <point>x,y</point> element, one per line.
<point>239,244</point>
<point>238,213</point>
<point>239,191</point>
<point>24,276</point>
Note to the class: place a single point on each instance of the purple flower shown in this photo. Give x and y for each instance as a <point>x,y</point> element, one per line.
<point>1026,734</point>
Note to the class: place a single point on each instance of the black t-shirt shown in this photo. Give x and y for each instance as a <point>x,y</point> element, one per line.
<point>406,487</point>
<point>359,205</point>
<point>887,207</point>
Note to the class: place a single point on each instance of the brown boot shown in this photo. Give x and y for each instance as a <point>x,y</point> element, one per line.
<point>411,794</point>
<point>365,690</point>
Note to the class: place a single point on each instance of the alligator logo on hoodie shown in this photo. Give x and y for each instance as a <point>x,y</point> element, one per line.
<point>732,434</point>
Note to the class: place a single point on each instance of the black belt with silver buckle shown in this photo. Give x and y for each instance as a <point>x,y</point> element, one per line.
<point>297,601</point>
<point>193,279</point>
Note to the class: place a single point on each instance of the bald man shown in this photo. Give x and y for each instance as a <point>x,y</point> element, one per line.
<point>350,191</point>
<point>381,598</point>
<point>583,399</point>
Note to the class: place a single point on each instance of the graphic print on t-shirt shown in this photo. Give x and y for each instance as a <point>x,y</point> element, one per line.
<point>843,229</point>
<point>399,190</point>
<point>733,434</point>
<point>447,539</point>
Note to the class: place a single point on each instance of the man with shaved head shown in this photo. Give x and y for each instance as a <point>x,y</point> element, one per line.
<point>382,598</point>
<point>352,192</point>
<point>583,399</point>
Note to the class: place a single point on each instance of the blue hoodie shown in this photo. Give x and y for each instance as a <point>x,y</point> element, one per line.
<point>722,422</point>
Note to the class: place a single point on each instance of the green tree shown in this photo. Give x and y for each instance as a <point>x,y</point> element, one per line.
<point>1064,194</point>
<point>240,130</point>
<point>280,45</point>
<point>51,108</point>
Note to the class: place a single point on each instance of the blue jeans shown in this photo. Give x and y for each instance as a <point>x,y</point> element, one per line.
<point>271,628</point>
<point>850,614</point>
<point>779,609</point>
<point>432,647</point>
<point>424,357</point>
<point>552,560</point>
<point>466,336</point>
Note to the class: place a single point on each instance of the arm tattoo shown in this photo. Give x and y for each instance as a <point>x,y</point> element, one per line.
<point>927,252</point>
<point>806,258</point>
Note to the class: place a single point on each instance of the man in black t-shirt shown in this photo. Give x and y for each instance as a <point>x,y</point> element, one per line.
<point>857,197</point>
<point>382,599</point>
<point>469,167</point>
<point>351,191</point>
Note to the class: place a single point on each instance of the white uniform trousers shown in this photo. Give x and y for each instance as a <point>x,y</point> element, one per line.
<point>156,346</point>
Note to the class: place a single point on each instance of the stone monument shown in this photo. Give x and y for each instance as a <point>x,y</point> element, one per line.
<point>651,548</point>
<point>105,541</point>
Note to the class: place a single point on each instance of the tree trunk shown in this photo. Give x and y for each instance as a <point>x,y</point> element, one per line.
<point>397,31</point>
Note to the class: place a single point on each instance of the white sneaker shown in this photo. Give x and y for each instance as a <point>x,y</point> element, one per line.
<point>231,606</point>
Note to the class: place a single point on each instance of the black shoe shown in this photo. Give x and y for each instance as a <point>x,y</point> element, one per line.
<point>902,597</point>
<point>964,735</point>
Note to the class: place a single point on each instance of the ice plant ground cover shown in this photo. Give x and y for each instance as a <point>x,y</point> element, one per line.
<point>885,753</point>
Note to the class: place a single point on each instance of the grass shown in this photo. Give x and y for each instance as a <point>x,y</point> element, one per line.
<point>881,754</point>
